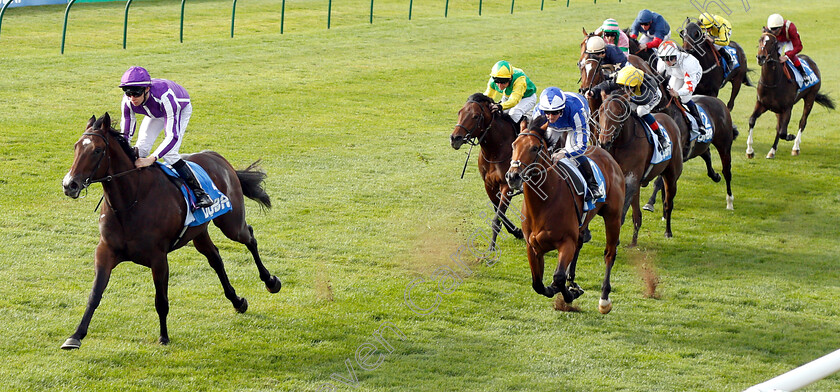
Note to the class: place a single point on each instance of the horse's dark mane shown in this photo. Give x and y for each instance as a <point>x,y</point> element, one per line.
<point>480,98</point>
<point>536,125</point>
<point>118,136</point>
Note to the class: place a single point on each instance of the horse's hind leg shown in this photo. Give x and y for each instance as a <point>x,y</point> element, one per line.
<point>243,233</point>
<point>612,225</point>
<point>736,87</point>
<point>806,110</point>
<point>782,121</point>
<point>710,171</point>
<point>205,246</point>
<point>726,164</point>
<point>657,186</point>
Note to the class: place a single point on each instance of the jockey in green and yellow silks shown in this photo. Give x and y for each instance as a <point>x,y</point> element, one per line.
<point>515,90</point>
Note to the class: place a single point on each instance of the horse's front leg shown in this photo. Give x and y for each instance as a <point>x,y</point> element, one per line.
<point>537,264</point>
<point>806,110</point>
<point>757,111</point>
<point>160,275</point>
<point>566,253</point>
<point>105,261</point>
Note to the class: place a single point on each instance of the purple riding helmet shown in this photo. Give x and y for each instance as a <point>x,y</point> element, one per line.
<point>136,76</point>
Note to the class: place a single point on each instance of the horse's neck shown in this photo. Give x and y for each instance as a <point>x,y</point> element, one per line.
<point>550,190</point>
<point>121,192</point>
<point>497,144</point>
<point>771,76</point>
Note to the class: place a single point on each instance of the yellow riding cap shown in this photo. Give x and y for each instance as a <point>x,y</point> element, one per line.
<point>707,20</point>
<point>631,76</point>
<point>502,69</point>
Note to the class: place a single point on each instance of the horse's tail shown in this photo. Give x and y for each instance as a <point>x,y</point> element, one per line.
<point>825,100</point>
<point>251,179</point>
<point>734,132</point>
<point>747,80</point>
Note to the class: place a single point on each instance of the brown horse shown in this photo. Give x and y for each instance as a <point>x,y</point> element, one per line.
<point>624,138</point>
<point>724,133</point>
<point>477,125</point>
<point>553,213</point>
<point>144,212</point>
<point>778,94</point>
<point>696,43</point>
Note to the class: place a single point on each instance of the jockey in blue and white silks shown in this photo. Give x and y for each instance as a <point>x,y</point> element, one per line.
<point>166,107</point>
<point>568,115</point>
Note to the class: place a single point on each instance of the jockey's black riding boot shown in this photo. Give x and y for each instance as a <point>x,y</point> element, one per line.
<point>591,183</point>
<point>692,108</point>
<point>202,200</point>
<point>724,55</point>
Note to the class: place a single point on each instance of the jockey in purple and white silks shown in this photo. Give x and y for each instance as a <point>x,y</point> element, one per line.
<point>568,130</point>
<point>166,107</point>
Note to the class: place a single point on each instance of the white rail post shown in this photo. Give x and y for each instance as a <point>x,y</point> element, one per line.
<point>802,376</point>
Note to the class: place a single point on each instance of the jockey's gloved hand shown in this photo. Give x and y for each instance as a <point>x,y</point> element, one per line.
<point>496,107</point>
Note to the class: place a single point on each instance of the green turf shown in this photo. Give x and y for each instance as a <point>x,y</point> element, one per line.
<point>352,125</point>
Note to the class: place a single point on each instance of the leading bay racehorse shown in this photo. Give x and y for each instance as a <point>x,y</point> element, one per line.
<point>478,125</point>
<point>778,93</point>
<point>143,217</point>
<point>696,42</point>
<point>554,213</point>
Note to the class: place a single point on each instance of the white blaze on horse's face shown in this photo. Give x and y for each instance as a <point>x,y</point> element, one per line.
<point>86,142</point>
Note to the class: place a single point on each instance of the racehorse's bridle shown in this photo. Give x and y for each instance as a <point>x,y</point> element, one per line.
<point>107,151</point>
<point>469,139</point>
<point>597,69</point>
<point>543,148</point>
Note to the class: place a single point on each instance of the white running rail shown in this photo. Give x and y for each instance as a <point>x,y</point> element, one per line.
<point>802,376</point>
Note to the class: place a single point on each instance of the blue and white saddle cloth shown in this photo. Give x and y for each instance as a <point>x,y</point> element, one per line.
<point>659,155</point>
<point>701,136</point>
<point>810,77</point>
<point>729,67</point>
<point>221,203</point>
<point>579,181</point>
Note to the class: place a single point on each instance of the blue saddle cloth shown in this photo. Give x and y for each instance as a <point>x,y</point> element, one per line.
<point>729,67</point>
<point>810,77</point>
<point>196,217</point>
<point>579,183</point>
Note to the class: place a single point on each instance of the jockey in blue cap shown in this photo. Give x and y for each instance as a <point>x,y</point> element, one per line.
<point>166,107</point>
<point>568,130</point>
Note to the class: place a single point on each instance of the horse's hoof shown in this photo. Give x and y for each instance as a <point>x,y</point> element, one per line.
<point>273,285</point>
<point>729,202</point>
<point>518,234</point>
<point>243,307</point>
<point>604,306</point>
<point>586,236</point>
<point>794,152</point>
<point>750,155</point>
<point>770,156</point>
<point>716,177</point>
<point>163,340</point>
<point>790,137</point>
<point>71,343</point>
<point>669,235</point>
<point>648,207</point>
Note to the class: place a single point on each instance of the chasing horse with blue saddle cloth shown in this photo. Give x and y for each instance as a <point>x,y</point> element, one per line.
<point>568,131</point>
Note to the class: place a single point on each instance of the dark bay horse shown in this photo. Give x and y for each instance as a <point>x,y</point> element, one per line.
<point>696,43</point>
<point>553,213</point>
<point>623,136</point>
<point>143,216</point>
<point>778,93</point>
<point>724,133</point>
<point>477,125</point>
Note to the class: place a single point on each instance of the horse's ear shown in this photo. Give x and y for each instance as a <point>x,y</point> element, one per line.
<point>106,121</point>
<point>603,95</point>
<point>544,127</point>
<point>90,122</point>
<point>585,34</point>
